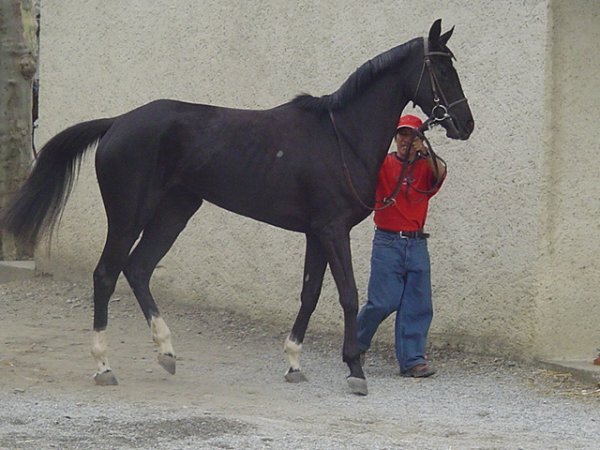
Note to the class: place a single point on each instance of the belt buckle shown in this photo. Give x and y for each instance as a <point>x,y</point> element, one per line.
<point>402,235</point>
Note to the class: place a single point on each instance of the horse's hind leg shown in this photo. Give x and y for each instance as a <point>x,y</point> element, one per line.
<point>113,259</point>
<point>315,263</point>
<point>170,218</point>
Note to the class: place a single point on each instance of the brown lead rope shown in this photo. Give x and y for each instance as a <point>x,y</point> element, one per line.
<point>391,199</point>
<point>347,172</point>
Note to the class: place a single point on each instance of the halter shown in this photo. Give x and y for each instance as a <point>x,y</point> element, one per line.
<point>440,111</point>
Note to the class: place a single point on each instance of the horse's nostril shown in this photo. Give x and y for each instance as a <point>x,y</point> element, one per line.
<point>469,126</point>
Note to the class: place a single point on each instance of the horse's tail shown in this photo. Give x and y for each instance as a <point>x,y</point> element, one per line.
<point>37,205</point>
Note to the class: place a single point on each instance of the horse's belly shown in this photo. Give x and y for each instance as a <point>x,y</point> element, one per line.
<point>276,212</point>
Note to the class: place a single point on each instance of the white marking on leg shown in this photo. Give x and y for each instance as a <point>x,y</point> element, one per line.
<point>99,350</point>
<point>292,350</point>
<point>161,335</point>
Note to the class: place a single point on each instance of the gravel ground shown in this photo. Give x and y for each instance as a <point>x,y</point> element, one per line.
<point>229,391</point>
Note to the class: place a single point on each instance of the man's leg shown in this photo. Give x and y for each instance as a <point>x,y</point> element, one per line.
<point>415,314</point>
<point>386,284</point>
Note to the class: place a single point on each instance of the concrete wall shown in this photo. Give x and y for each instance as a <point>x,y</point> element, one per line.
<point>505,272</point>
<point>568,306</point>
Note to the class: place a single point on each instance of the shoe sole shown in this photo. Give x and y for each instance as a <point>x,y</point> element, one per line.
<point>410,374</point>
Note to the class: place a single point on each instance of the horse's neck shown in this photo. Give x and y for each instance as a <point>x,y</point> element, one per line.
<point>369,121</point>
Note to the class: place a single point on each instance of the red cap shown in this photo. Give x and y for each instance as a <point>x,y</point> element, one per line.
<point>409,121</point>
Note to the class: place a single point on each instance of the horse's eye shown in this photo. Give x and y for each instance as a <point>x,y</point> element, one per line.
<point>445,69</point>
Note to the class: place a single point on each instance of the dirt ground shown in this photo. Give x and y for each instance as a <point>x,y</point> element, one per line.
<point>229,390</point>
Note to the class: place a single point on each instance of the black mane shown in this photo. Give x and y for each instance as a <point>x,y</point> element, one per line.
<point>358,81</point>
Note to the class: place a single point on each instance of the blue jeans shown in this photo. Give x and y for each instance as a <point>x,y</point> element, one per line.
<point>400,282</point>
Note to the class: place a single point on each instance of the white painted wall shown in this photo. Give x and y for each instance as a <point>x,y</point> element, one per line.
<point>513,243</point>
<point>568,304</point>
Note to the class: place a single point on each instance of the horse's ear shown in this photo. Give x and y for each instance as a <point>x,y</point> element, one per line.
<point>435,31</point>
<point>446,36</point>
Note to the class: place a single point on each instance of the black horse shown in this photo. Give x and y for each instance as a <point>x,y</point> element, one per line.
<point>309,166</point>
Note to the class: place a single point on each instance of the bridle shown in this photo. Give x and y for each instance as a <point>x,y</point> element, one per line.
<point>440,111</point>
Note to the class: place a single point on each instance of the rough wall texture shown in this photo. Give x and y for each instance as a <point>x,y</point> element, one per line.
<point>101,58</point>
<point>568,305</point>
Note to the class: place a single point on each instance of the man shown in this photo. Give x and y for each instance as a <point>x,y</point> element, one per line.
<point>400,271</point>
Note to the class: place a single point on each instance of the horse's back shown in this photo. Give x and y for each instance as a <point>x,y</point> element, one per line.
<point>252,162</point>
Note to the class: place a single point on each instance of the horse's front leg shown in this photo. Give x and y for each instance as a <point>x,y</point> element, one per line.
<point>314,270</point>
<point>336,244</point>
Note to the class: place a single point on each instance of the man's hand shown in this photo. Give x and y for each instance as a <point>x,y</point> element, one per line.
<point>420,148</point>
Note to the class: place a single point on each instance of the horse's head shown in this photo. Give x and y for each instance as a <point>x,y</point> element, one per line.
<point>437,89</point>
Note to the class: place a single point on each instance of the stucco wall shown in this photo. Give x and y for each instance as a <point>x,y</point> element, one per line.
<point>101,58</point>
<point>569,301</point>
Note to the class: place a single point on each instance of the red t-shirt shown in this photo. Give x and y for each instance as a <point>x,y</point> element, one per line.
<point>410,210</point>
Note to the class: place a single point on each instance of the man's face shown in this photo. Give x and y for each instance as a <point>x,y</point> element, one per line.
<point>404,137</point>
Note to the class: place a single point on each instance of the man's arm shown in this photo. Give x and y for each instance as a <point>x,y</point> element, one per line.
<point>434,163</point>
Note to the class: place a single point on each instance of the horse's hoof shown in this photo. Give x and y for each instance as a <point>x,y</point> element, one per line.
<point>106,378</point>
<point>358,386</point>
<point>167,362</point>
<point>295,376</point>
